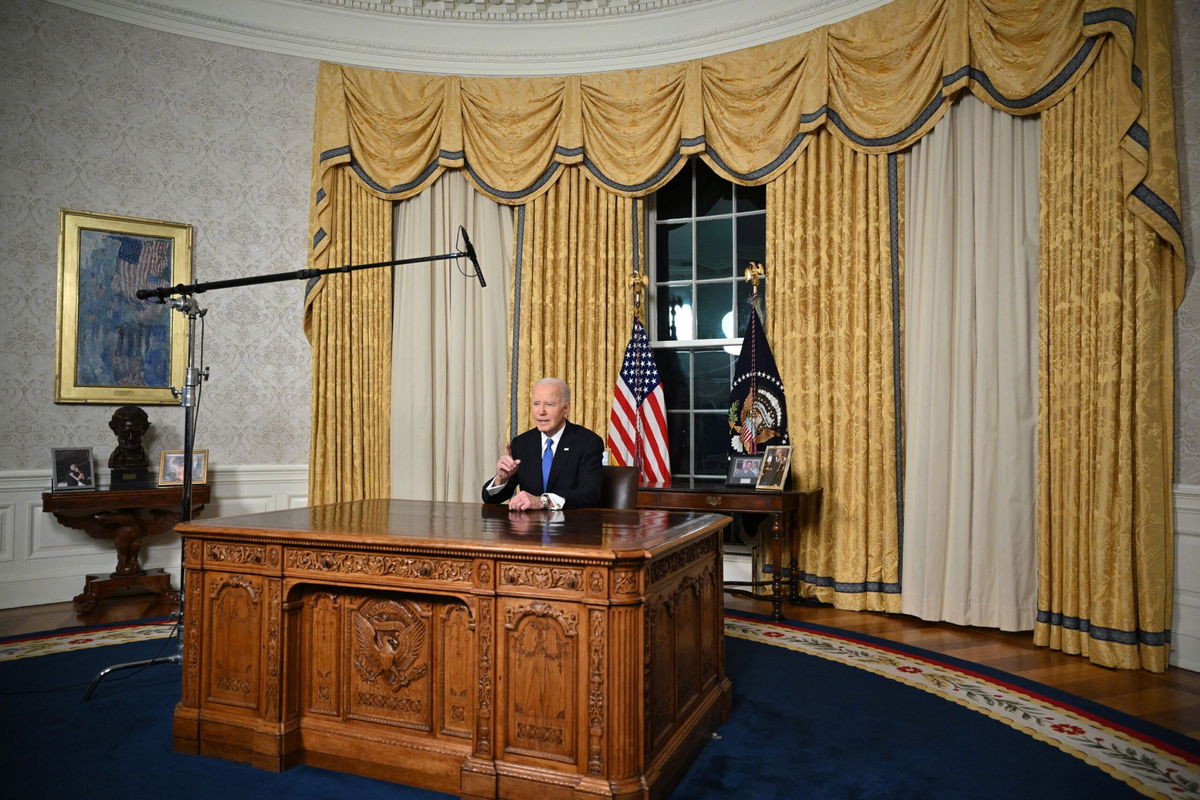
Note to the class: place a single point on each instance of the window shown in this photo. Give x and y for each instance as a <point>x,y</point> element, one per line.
<point>705,232</point>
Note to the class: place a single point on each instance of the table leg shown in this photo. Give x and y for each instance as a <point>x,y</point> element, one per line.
<point>777,566</point>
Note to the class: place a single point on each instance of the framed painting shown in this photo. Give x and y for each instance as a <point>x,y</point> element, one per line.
<point>170,467</point>
<point>112,347</point>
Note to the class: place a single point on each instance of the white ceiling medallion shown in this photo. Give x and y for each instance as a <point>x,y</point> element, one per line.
<point>485,37</point>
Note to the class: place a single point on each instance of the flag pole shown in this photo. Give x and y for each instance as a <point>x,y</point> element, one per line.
<point>638,282</point>
<point>753,274</point>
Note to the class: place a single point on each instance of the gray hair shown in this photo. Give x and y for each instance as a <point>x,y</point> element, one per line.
<point>564,391</point>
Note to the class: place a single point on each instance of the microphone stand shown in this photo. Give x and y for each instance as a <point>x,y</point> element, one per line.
<point>180,298</point>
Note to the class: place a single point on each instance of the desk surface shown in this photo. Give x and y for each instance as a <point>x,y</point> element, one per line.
<point>603,533</point>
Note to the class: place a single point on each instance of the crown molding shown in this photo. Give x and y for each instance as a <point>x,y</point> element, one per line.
<point>497,39</point>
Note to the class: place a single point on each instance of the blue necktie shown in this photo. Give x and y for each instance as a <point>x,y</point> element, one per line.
<point>547,459</point>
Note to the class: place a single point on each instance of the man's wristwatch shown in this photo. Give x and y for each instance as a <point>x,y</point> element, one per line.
<point>545,500</point>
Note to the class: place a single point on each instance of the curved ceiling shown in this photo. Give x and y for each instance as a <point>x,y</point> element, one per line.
<point>485,37</point>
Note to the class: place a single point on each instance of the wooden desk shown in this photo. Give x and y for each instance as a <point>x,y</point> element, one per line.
<point>126,516</point>
<point>459,647</point>
<point>788,511</point>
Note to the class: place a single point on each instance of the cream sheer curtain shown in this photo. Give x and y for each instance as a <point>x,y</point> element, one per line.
<point>970,371</point>
<point>450,354</point>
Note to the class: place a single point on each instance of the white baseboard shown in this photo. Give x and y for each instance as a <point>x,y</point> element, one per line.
<point>1185,623</point>
<point>44,562</point>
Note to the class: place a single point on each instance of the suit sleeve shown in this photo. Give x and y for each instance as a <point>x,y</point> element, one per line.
<point>509,489</point>
<point>586,491</point>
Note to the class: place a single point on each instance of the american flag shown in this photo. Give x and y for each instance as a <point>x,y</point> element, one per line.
<point>637,425</point>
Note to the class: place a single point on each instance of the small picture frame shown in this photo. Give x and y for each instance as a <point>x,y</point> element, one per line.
<point>774,472</point>
<point>743,470</point>
<point>73,469</point>
<point>170,467</point>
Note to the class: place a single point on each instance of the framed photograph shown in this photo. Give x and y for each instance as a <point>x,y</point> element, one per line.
<point>170,467</point>
<point>774,473</point>
<point>73,471</point>
<point>743,470</point>
<point>112,347</point>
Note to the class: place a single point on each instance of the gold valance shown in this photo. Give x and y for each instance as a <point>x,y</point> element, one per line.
<point>878,81</point>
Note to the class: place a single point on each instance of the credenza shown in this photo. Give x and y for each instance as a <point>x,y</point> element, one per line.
<point>458,647</point>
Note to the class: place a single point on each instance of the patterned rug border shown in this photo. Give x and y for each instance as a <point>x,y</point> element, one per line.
<point>63,640</point>
<point>1146,763</point>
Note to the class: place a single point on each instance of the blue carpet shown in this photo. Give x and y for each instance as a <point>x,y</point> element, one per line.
<point>801,727</point>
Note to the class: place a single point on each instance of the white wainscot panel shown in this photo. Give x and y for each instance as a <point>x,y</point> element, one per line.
<point>1185,623</point>
<point>42,561</point>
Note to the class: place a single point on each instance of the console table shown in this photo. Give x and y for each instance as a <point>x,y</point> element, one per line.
<point>126,516</point>
<point>788,510</point>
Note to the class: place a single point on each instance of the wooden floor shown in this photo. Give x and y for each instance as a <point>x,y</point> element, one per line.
<point>1171,699</point>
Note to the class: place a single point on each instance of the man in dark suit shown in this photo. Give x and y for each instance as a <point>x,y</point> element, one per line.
<point>556,463</point>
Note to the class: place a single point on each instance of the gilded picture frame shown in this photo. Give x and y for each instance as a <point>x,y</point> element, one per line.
<point>776,461</point>
<point>170,467</point>
<point>111,347</point>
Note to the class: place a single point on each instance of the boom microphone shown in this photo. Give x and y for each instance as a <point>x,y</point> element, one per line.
<point>471,255</point>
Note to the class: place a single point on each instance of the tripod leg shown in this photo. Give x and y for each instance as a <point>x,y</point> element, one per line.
<point>172,659</point>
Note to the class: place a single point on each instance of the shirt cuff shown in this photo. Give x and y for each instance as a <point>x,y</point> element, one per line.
<point>556,501</point>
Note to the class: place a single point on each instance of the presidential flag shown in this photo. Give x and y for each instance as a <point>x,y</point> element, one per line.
<point>757,407</point>
<point>637,425</point>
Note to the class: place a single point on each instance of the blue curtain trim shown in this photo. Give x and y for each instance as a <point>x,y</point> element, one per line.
<point>334,153</point>
<point>318,236</point>
<point>320,196</point>
<point>1159,206</point>
<point>636,187</point>
<point>761,171</point>
<point>637,224</point>
<point>840,586</point>
<point>1149,638</point>
<point>897,378</point>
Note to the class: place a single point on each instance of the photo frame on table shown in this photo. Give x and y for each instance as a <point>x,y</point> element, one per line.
<point>170,467</point>
<point>774,473</point>
<point>743,470</point>
<point>74,469</point>
<point>111,347</point>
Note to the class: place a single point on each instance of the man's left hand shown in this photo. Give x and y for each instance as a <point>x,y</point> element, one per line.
<point>524,501</point>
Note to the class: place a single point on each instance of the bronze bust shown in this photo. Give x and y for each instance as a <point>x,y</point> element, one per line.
<point>129,423</point>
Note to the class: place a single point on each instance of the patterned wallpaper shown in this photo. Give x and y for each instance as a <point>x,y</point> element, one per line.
<point>1187,319</point>
<point>98,115</point>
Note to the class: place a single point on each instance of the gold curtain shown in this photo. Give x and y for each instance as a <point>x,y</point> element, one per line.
<point>569,146</point>
<point>1106,296</point>
<point>348,321</point>
<point>573,307</point>
<point>832,238</point>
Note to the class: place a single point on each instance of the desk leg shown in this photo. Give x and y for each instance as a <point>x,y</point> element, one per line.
<point>777,525</point>
<point>794,552</point>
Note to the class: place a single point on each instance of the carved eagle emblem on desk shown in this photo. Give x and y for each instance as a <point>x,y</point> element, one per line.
<point>389,641</point>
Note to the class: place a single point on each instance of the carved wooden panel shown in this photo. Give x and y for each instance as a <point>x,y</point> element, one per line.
<point>235,647</point>
<point>541,668</point>
<point>456,656</point>
<point>389,648</point>
<point>323,621</point>
<point>687,644</point>
<point>660,666</point>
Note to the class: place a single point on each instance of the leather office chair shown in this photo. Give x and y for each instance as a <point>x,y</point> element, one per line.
<point>618,487</point>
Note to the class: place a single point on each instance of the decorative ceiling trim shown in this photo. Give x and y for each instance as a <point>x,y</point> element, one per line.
<point>485,37</point>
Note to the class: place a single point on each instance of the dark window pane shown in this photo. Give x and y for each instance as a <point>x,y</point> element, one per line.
<point>676,321</point>
<point>751,242</point>
<point>674,200</point>
<point>712,444</point>
<point>674,253</point>
<point>714,248</point>
<point>751,198</point>
<point>714,195</point>
<point>712,378</point>
<point>674,368</point>
<point>678,442</point>
<point>714,312</point>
